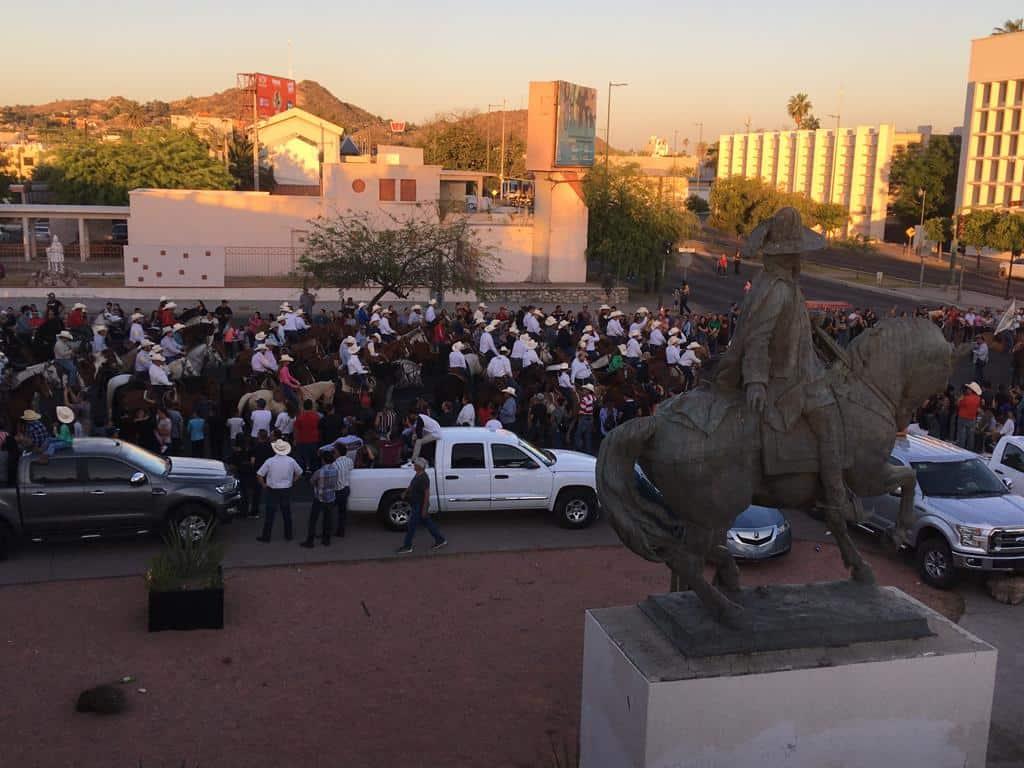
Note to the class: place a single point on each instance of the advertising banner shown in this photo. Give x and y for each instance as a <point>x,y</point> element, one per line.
<point>273,95</point>
<point>576,126</point>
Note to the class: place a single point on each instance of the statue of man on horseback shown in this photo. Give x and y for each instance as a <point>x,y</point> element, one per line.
<point>772,356</point>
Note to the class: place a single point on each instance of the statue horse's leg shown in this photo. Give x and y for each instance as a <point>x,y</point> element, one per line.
<point>727,573</point>
<point>860,571</point>
<point>688,561</point>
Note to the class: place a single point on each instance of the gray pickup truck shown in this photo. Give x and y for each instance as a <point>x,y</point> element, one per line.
<point>102,487</point>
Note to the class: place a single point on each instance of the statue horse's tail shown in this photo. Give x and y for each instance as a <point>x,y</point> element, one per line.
<point>643,525</point>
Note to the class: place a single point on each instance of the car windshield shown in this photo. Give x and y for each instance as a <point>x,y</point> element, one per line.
<point>958,479</point>
<point>542,456</point>
<point>148,462</point>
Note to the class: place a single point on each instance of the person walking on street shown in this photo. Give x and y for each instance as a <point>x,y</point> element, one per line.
<point>684,297</point>
<point>736,261</point>
<point>277,476</point>
<point>325,484</point>
<point>418,496</point>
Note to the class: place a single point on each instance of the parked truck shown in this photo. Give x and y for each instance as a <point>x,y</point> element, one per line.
<point>480,469</point>
<point>104,487</point>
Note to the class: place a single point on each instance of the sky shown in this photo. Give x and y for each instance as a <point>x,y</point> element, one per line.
<point>719,63</point>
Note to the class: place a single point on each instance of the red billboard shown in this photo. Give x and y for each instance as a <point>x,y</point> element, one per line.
<point>273,94</point>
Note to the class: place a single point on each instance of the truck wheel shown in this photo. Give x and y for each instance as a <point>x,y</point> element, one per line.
<point>935,563</point>
<point>192,521</point>
<point>576,508</point>
<point>393,511</point>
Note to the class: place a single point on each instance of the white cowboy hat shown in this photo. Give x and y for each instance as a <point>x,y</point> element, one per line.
<point>261,336</point>
<point>538,312</point>
<point>588,329</point>
<point>673,331</point>
<point>973,386</point>
<point>603,307</point>
<point>582,345</point>
<point>635,333</point>
<point>66,335</point>
<point>281,448</point>
<point>530,344</point>
<point>170,305</point>
<point>138,316</point>
<point>693,345</point>
<point>30,415</point>
<point>349,340</point>
<point>432,302</point>
<point>78,305</point>
<point>416,307</point>
<point>156,357</point>
<point>616,313</point>
<point>524,336</point>
<point>261,347</point>
<point>287,359</point>
<point>65,415</point>
<point>163,299</point>
<point>361,305</point>
<point>549,321</point>
<point>178,327</point>
<point>563,324</point>
<point>375,307</point>
<point>642,311</point>
<point>146,343</point>
<point>558,367</point>
<point>674,341</point>
<point>589,387</point>
<point>99,329</point>
<point>503,349</point>
<point>481,305</point>
<point>376,337</point>
<point>167,329</point>
<point>458,346</point>
<point>481,321</point>
<point>491,326</point>
<point>509,391</point>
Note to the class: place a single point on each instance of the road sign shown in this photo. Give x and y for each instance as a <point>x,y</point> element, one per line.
<point>685,258</point>
<point>911,231</point>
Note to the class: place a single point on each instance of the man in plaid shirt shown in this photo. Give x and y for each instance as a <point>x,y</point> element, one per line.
<point>325,483</point>
<point>34,437</point>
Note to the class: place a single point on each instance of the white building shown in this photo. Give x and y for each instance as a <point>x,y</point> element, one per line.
<point>991,172</point>
<point>294,141</point>
<point>806,162</point>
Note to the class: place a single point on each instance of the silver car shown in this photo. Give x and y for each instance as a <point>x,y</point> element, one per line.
<point>759,533</point>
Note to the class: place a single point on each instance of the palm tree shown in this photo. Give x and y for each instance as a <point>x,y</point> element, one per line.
<point>799,107</point>
<point>135,116</point>
<point>1010,25</point>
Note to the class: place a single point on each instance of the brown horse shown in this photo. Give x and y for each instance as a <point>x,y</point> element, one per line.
<point>22,397</point>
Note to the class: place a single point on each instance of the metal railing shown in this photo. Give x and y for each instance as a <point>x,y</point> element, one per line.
<point>255,261</point>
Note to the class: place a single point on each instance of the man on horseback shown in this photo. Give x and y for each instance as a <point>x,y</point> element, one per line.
<point>772,356</point>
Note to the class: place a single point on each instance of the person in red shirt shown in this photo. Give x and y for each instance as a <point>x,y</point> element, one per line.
<point>167,314</point>
<point>967,414</point>
<point>307,436</point>
<point>76,317</point>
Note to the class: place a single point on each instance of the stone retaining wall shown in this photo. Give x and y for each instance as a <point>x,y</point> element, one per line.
<point>547,295</point>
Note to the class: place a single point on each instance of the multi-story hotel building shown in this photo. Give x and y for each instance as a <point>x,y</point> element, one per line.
<point>807,162</point>
<point>991,163</point>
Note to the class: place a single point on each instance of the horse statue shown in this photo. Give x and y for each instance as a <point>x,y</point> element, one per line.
<point>706,453</point>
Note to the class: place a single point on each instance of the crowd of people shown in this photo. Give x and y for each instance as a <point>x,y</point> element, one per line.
<point>562,377</point>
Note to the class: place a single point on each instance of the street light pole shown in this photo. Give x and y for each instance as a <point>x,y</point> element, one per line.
<point>920,233</point>
<point>700,152</point>
<point>608,123</point>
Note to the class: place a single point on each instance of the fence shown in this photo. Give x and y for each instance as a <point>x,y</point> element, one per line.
<point>260,261</point>
<point>16,251</point>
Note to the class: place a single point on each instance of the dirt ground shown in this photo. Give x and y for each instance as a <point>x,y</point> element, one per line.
<point>429,661</point>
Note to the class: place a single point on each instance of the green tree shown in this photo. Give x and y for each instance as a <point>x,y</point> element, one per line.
<point>101,173</point>
<point>240,164</point>
<point>932,168</point>
<point>798,107</point>
<point>977,230</point>
<point>134,116</point>
<point>810,123</point>
<point>420,250</point>
<point>938,229</point>
<point>631,227</point>
<point>1007,234</point>
<point>1010,25</point>
<point>739,204</point>
<point>697,204</point>
<point>831,217</point>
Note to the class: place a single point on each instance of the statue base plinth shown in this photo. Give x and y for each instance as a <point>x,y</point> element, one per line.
<point>925,701</point>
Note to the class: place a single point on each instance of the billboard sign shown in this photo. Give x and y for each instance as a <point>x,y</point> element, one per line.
<point>398,126</point>
<point>576,126</point>
<point>273,95</point>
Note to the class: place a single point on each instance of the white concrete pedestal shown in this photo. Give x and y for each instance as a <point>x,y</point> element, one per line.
<point>911,703</point>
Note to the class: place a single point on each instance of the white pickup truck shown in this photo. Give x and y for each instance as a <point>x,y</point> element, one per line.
<point>1007,461</point>
<point>475,468</point>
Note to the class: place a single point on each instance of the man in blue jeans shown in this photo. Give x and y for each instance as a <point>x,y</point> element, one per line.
<point>277,476</point>
<point>418,495</point>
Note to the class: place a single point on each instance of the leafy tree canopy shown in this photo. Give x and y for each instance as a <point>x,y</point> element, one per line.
<point>398,255</point>
<point>739,204</point>
<point>933,168</point>
<point>630,226</point>
<point>1008,26</point>
<point>102,173</point>
<point>462,144</point>
<point>240,164</point>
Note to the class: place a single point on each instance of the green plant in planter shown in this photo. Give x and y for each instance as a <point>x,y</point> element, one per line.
<point>186,563</point>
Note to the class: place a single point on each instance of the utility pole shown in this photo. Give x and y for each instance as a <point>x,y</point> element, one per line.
<point>501,164</point>
<point>835,161</point>
<point>608,123</point>
<point>700,152</point>
<point>923,194</point>
<point>255,141</point>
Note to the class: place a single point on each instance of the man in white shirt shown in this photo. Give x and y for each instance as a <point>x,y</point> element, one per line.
<point>375,314</point>
<point>657,338</point>
<point>157,374</point>
<point>171,348</point>
<point>487,345</point>
<point>519,347</point>
<point>425,430</point>
<point>633,351</point>
<point>467,416</point>
<point>344,466</point>
<point>384,326</point>
<point>532,323</point>
<point>261,418</point>
<point>478,316</point>
<point>431,313</point>
<point>142,358</point>
<point>580,372</point>
<point>589,339</point>
<point>136,333</point>
<point>530,355</point>
<point>415,316</point>
<point>688,362</point>
<point>563,377</point>
<point>277,476</point>
<point>356,369</point>
<point>99,339</point>
<point>262,360</point>
<point>456,359</point>
<point>500,366</point>
<point>614,329</point>
<point>672,356</point>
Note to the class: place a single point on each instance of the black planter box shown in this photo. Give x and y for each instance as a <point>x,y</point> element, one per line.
<point>186,609</point>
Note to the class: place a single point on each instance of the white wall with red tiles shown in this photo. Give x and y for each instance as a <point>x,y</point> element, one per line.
<point>174,266</point>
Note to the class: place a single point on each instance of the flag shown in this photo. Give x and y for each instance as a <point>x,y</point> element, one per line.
<point>1009,319</point>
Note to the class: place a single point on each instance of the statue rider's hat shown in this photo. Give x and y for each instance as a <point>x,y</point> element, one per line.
<point>783,234</point>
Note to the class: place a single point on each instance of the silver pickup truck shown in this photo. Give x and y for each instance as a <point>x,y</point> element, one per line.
<point>104,487</point>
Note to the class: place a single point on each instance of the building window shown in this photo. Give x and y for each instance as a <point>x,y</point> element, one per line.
<point>1012,149</point>
<point>997,146</point>
<point>1002,94</point>
<point>999,122</point>
<point>993,170</point>
<point>986,94</point>
<point>983,122</point>
<point>1011,171</point>
<point>1015,120</point>
<point>1018,91</point>
<point>408,191</point>
<point>387,190</point>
